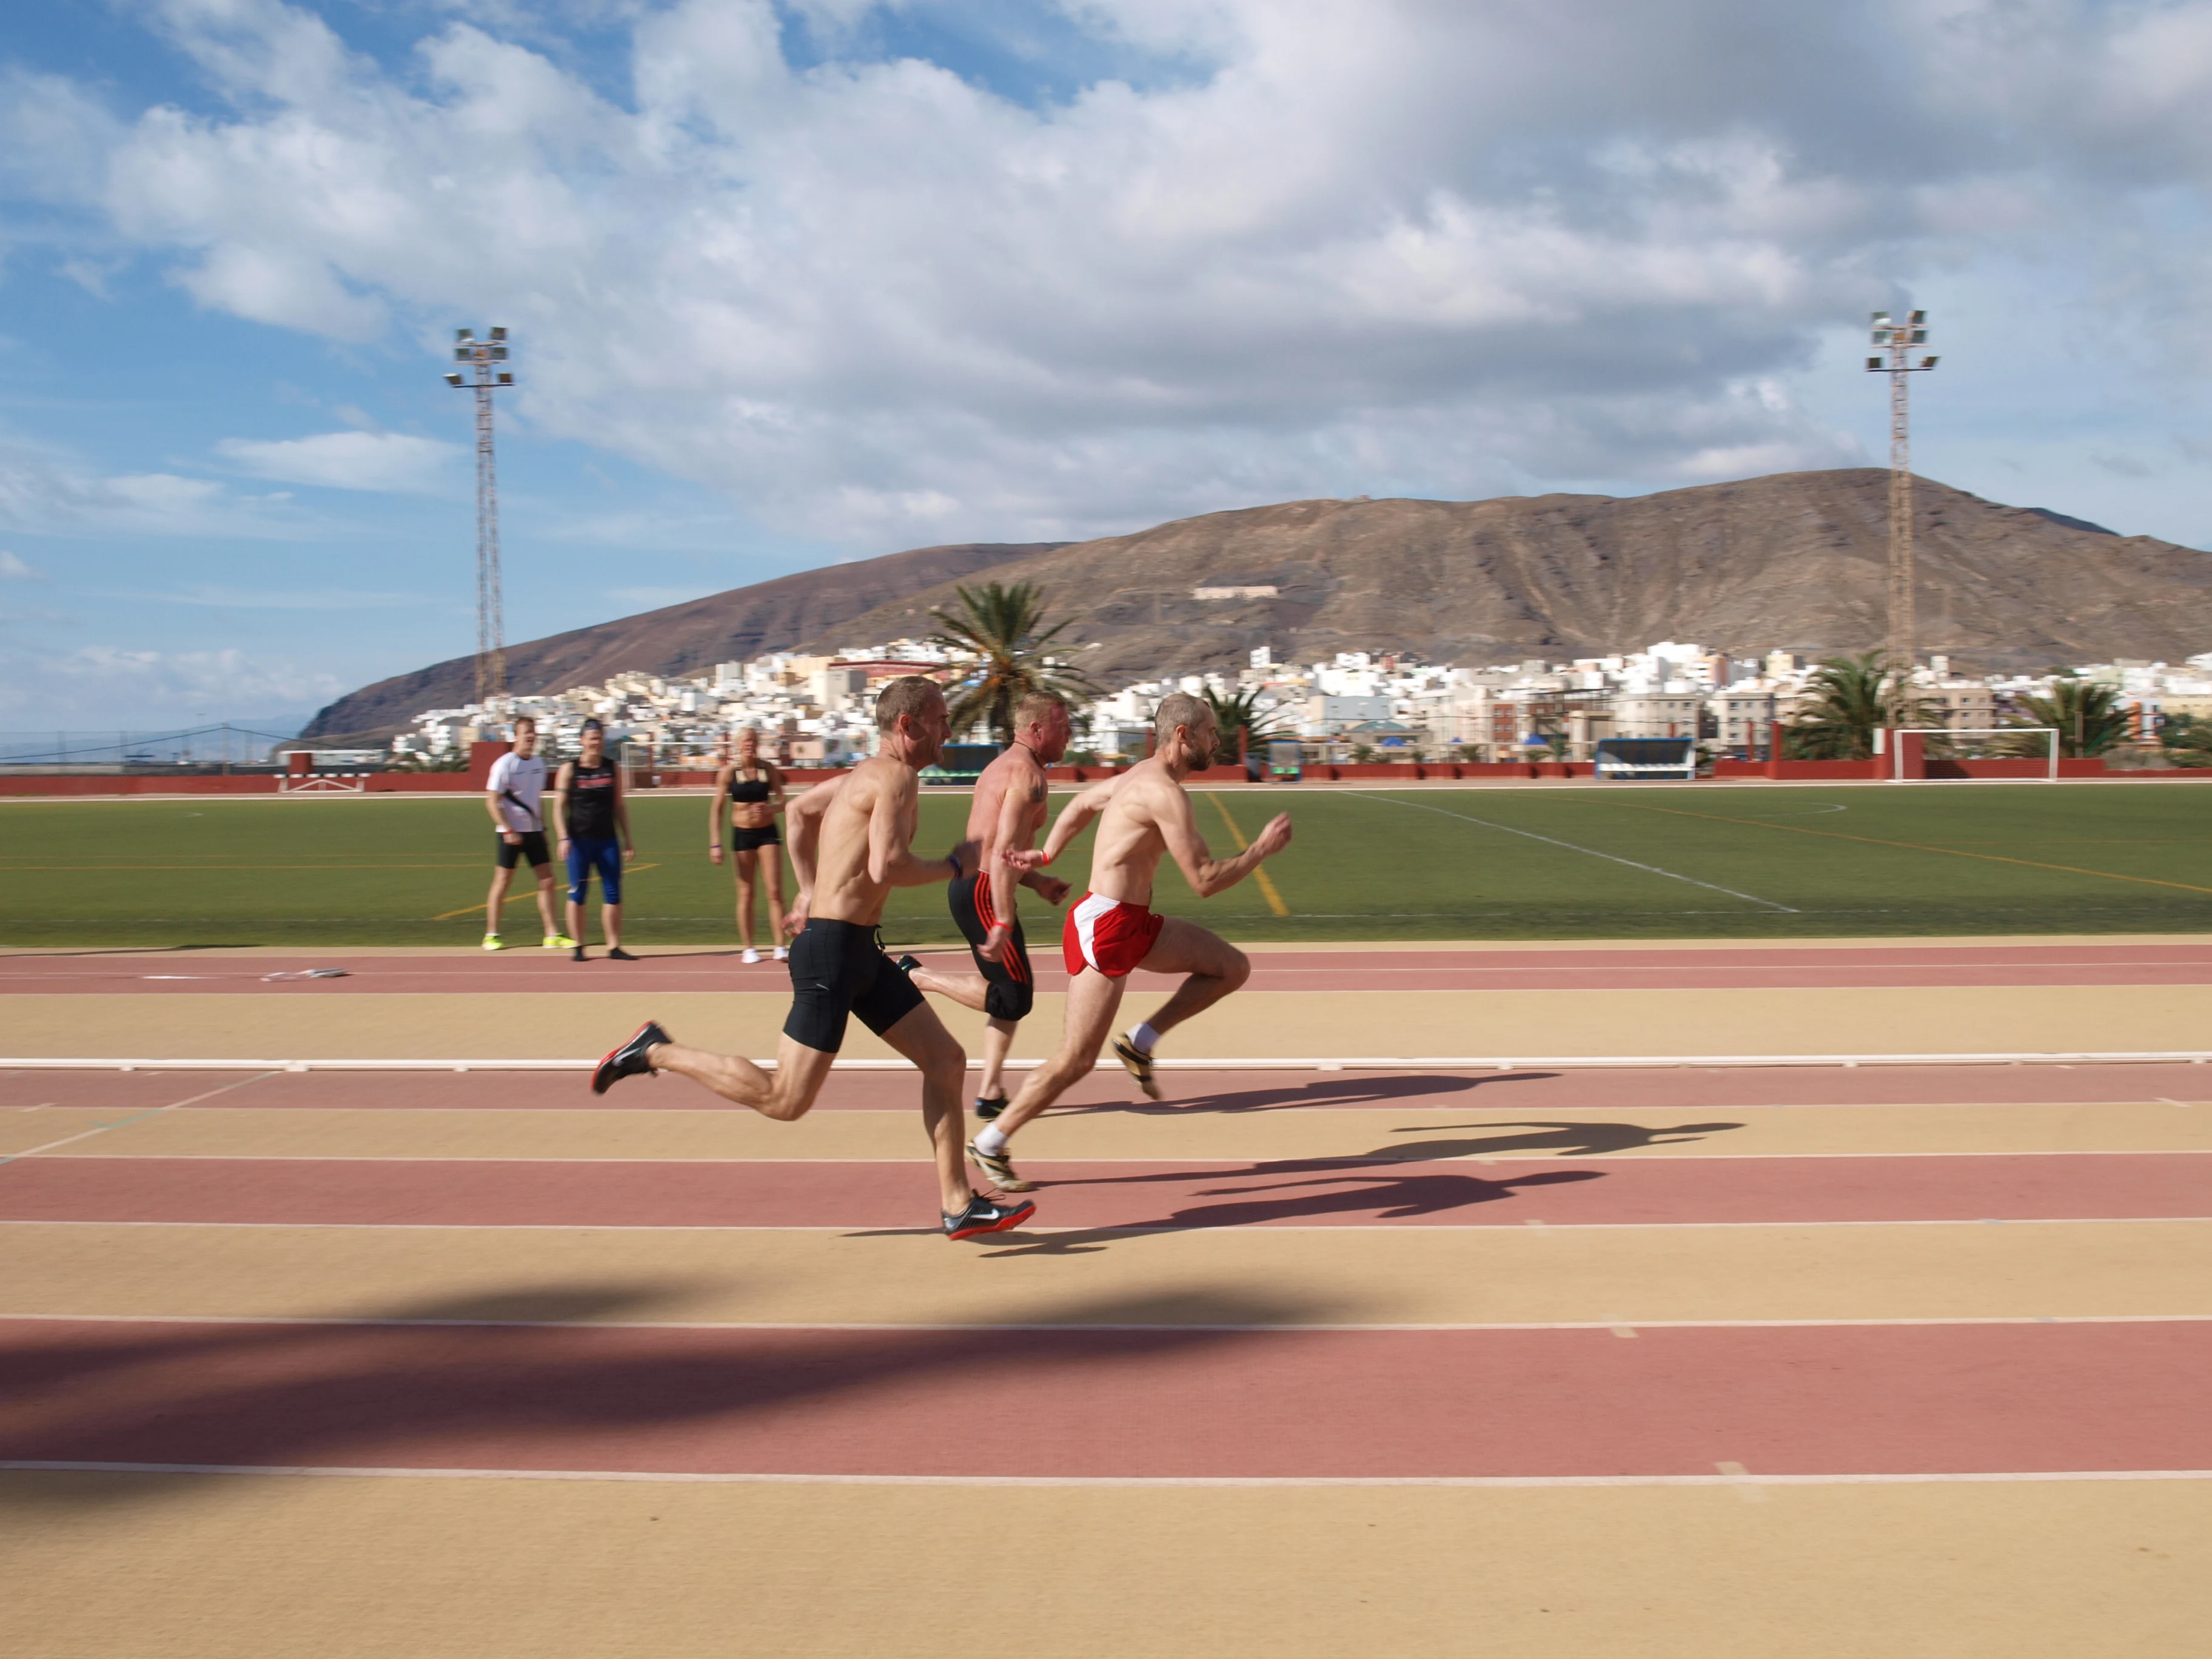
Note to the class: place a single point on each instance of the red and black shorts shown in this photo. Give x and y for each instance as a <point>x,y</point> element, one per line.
<point>1013,991</point>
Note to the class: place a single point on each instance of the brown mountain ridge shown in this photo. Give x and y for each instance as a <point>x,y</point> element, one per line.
<point>1795,562</point>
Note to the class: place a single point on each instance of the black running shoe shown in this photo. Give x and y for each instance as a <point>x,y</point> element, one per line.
<point>629,1060</point>
<point>984,1215</point>
<point>577,955</point>
<point>618,954</point>
<point>987,1110</point>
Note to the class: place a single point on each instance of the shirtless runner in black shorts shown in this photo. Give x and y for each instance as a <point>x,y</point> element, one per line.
<point>865,831</point>
<point>1008,811</point>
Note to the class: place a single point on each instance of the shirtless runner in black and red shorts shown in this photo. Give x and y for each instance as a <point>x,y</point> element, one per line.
<point>1113,930</point>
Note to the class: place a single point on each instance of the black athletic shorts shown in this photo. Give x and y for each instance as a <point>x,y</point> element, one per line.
<point>839,968</point>
<point>529,850</point>
<point>1013,991</point>
<point>751,840</point>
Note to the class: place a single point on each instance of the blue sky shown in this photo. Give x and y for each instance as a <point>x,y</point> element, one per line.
<point>796,284</point>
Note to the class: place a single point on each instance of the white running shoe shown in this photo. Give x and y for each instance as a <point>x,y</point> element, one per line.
<point>750,955</point>
<point>780,954</point>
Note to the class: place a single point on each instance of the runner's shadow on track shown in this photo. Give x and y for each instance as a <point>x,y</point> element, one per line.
<point>1346,1090</point>
<point>459,1382</point>
<point>1319,1188</point>
<point>1566,1140</point>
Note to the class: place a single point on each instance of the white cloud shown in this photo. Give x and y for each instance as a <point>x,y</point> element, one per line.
<point>51,493</point>
<point>14,568</point>
<point>106,686</point>
<point>1413,244</point>
<point>390,461</point>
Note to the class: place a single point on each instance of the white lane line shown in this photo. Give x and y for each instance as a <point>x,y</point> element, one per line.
<point>135,1117</point>
<point>35,1466</point>
<point>2065,1059</point>
<point>1749,1490</point>
<point>1617,1324</point>
<point>1269,1165</point>
<point>1002,1239</point>
<point>1589,852</point>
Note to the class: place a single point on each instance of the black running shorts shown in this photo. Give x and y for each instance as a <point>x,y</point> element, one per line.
<point>1013,991</point>
<point>751,840</point>
<point>838,968</point>
<point>529,850</point>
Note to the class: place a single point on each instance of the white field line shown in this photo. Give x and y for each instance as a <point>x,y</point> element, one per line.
<point>1031,1327</point>
<point>1245,1063</point>
<point>1208,1166</point>
<point>1116,1232</point>
<point>33,1466</point>
<point>1588,852</point>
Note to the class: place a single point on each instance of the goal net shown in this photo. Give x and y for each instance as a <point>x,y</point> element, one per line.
<point>1948,751</point>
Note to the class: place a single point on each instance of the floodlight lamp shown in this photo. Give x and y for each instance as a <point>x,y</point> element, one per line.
<point>1872,362</point>
<point>1928,363</point>
<point>499,353</point>
<point>453,380</point>
<point>1919,337</point>
<point>499,334</point>
<point>1881,317</point>
<point>460,354</point>
<point>505,378</point>
<point>1917,318</point>
<point>464,334</point>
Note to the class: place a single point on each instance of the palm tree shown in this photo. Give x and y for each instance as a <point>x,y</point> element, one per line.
<point>2088,716</point>
<point>998,625</point>
<point>1847,700</point>
<point>1233,709</point>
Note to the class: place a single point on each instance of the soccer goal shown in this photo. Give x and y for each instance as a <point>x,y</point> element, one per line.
<point>1972,743</point>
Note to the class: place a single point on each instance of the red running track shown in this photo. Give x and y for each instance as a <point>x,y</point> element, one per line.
<point>899,1196</point>
<point>1192,1402</point>
<point>1684,1089</point>
<point>1657,968</point>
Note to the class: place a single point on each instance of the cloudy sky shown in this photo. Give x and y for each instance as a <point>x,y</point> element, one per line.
<point>793,284</point>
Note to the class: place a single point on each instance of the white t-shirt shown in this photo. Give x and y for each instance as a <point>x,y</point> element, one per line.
<point>514,779</point>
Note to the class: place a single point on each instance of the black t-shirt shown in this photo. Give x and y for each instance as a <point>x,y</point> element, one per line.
<point>591,804</point>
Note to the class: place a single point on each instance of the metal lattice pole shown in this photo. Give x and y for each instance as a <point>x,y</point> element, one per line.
<point>1900,338</point>
<point>484,378</point>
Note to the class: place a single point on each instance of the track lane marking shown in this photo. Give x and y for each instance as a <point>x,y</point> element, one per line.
<point>135,1117</point>
<point>1590,852</point>
<point>1614,1323</point>
<point>1259,872</point>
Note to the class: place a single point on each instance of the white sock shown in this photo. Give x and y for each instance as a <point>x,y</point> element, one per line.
<point>1144,1037</point>
<point>990,1138</point>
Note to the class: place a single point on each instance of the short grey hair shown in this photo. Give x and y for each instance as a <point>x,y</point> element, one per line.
<point>1179,709</point>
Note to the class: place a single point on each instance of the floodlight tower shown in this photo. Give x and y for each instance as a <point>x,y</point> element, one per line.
<point>1900,338</point>
<point>484,377</point>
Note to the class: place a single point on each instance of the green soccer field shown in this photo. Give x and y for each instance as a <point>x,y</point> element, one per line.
<point>1617,861</point>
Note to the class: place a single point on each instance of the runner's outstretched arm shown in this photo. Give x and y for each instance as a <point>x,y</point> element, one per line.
<point>1207,874</point>
<point>892,862</point>
<point>1087,805</point>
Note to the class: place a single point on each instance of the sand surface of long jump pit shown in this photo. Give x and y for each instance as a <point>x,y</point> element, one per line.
<point>1805,1360</point>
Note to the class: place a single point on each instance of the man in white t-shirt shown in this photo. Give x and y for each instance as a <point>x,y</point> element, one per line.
<point>514,797</point>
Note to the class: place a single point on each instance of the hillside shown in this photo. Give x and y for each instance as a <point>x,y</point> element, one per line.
<point>676,640</point>
<point>1796,561</point>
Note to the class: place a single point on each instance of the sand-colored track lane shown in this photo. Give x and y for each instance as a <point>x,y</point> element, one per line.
<point>1929,1020</point>
<point>1424,1275</point>
<point>214,1131</point>
<point>1308,1193</point>
<point>340,1568</point>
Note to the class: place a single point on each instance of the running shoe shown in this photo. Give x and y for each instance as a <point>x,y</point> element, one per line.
<point>1139,1065</point>
<point>779,954</point>
<point>987,1110</point>
<point>750,955</point>
<point>492,942</point>
<point>559,942</point>
<point>577,955</point>
<point>1000,1169</point>
<point>629,1060</point>
<point>617,954</point>
<point>907,964</point>
<point>984,1215</point>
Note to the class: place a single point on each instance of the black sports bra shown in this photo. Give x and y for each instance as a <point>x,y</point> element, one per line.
<point>751,790</point>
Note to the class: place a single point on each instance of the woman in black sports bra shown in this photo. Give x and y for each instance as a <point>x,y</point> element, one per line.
<point>752,791</point>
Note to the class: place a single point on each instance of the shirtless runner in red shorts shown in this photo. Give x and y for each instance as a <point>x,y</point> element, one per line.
<point>1113,930</point>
